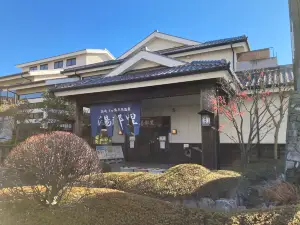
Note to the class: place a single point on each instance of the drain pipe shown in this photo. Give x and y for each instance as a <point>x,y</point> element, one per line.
<point>233,58</point>
<point>25,78</point>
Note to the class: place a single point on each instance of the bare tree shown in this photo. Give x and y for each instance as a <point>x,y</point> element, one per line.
<point>243,110</point>
<point>253,109</point>
<point>277,105</point>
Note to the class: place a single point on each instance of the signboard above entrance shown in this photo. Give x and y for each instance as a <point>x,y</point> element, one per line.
<point>127,114</point>
<point>155,122</point>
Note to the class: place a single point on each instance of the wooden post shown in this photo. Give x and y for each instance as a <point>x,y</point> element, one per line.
<point>209,135</point>
<point>78,118</point>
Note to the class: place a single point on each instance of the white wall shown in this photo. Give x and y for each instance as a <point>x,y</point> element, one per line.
<point>159,44</point>
<point>183,111</point>
<point>213,55</point>
<point>80,61</point>
<point>268,139</point>
<point>93,58</point>
<point>143,64</point>
<point>257,64</point>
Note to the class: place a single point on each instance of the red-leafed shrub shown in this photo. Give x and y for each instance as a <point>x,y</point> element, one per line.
<point>50,164</point>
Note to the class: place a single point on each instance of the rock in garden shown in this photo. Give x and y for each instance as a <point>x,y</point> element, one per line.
<point>226,205</point>
<point>205,203</point>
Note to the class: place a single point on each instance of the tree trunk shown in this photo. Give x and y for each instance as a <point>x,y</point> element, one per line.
<point>276,143</point>
<point>244,157</point>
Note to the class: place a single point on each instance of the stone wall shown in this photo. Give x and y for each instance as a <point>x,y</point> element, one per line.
<point>293,137</point>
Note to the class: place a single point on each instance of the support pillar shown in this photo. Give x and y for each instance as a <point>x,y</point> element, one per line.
<point>78,119</point>
<point>210,136</point>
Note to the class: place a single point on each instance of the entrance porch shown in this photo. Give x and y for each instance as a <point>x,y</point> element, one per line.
<point>170,128</point>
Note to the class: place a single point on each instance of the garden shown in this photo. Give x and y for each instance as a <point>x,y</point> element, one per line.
<point>56,178</point>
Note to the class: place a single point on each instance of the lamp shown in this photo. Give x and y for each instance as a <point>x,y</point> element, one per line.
<point>120,132</point>
<point>174,131</point>
<point>206,118</point>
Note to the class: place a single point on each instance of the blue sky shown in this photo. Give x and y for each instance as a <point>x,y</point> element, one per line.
<point>35,29</point>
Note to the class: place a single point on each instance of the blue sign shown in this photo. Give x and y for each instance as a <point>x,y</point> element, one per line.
<point>123,112</point>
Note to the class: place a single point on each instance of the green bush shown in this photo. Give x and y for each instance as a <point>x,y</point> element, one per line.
<point>181,181</point>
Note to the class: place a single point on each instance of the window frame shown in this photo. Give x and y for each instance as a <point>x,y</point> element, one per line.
<point>61,62</point>
<point>71,60</point>
<point>44,65</point>
<point>31,95</point>
<point>33,68</point>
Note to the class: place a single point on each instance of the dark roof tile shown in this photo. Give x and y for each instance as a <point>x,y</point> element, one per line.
<point>185,48</point>
<point>207,44</point>
<point>188,68</point>
<point>278,75</point>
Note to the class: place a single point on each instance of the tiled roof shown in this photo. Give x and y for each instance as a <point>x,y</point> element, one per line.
<point>270,76</point>
<point>14,74</point>
<point>95,65</point>
<point>207,44</point>
<point>188,68</point>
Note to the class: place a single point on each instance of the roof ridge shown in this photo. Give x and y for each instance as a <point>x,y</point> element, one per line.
<point>164,52</point>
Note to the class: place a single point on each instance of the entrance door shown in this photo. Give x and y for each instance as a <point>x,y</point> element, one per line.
<point>147,144</point>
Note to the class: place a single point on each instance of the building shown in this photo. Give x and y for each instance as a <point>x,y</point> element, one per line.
<point>167,79</point>
<point>38,76</point>
<point>152,100</point>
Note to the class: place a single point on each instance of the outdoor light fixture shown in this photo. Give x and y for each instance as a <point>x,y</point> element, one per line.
<point>206,118</point>
<point>120,132</point>
<point>174,131</point>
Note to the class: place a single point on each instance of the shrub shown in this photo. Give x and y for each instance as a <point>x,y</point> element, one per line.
<point>281,193</point>
<point>112,207</point>
<point>51,164</point>
<point>181,181</point>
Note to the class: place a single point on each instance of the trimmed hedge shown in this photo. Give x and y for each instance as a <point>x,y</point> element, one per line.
<point>181,181</point>
<point>112,207</point>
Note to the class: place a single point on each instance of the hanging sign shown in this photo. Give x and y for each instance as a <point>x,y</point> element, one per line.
<point>127,114</point>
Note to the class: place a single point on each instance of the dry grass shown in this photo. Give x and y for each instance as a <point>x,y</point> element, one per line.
<point>186,180</point>
<point>281,193</point>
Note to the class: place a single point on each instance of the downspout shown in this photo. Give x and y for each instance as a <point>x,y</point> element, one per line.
<point>233,57</point>
<point>25,78</point>
<point>218,135</point>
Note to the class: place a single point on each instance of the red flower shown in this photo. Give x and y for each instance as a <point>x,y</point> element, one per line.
<point>214,101</point>
<point>243,94</point>
<point>221,127</point>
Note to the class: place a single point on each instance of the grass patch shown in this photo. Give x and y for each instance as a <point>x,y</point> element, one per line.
<point>181,181</point>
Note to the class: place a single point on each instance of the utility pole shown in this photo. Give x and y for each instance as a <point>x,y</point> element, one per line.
<point>293,126</point>
<point>294,6</point>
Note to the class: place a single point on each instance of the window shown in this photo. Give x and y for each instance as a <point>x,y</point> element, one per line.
<point>58,64</point>
<point>32,95</point>
<point>44,67</point>
<point>71,62</point>
<point>33,68</point>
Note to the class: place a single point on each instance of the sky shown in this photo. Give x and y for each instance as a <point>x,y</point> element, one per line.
<point>34,29</point>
